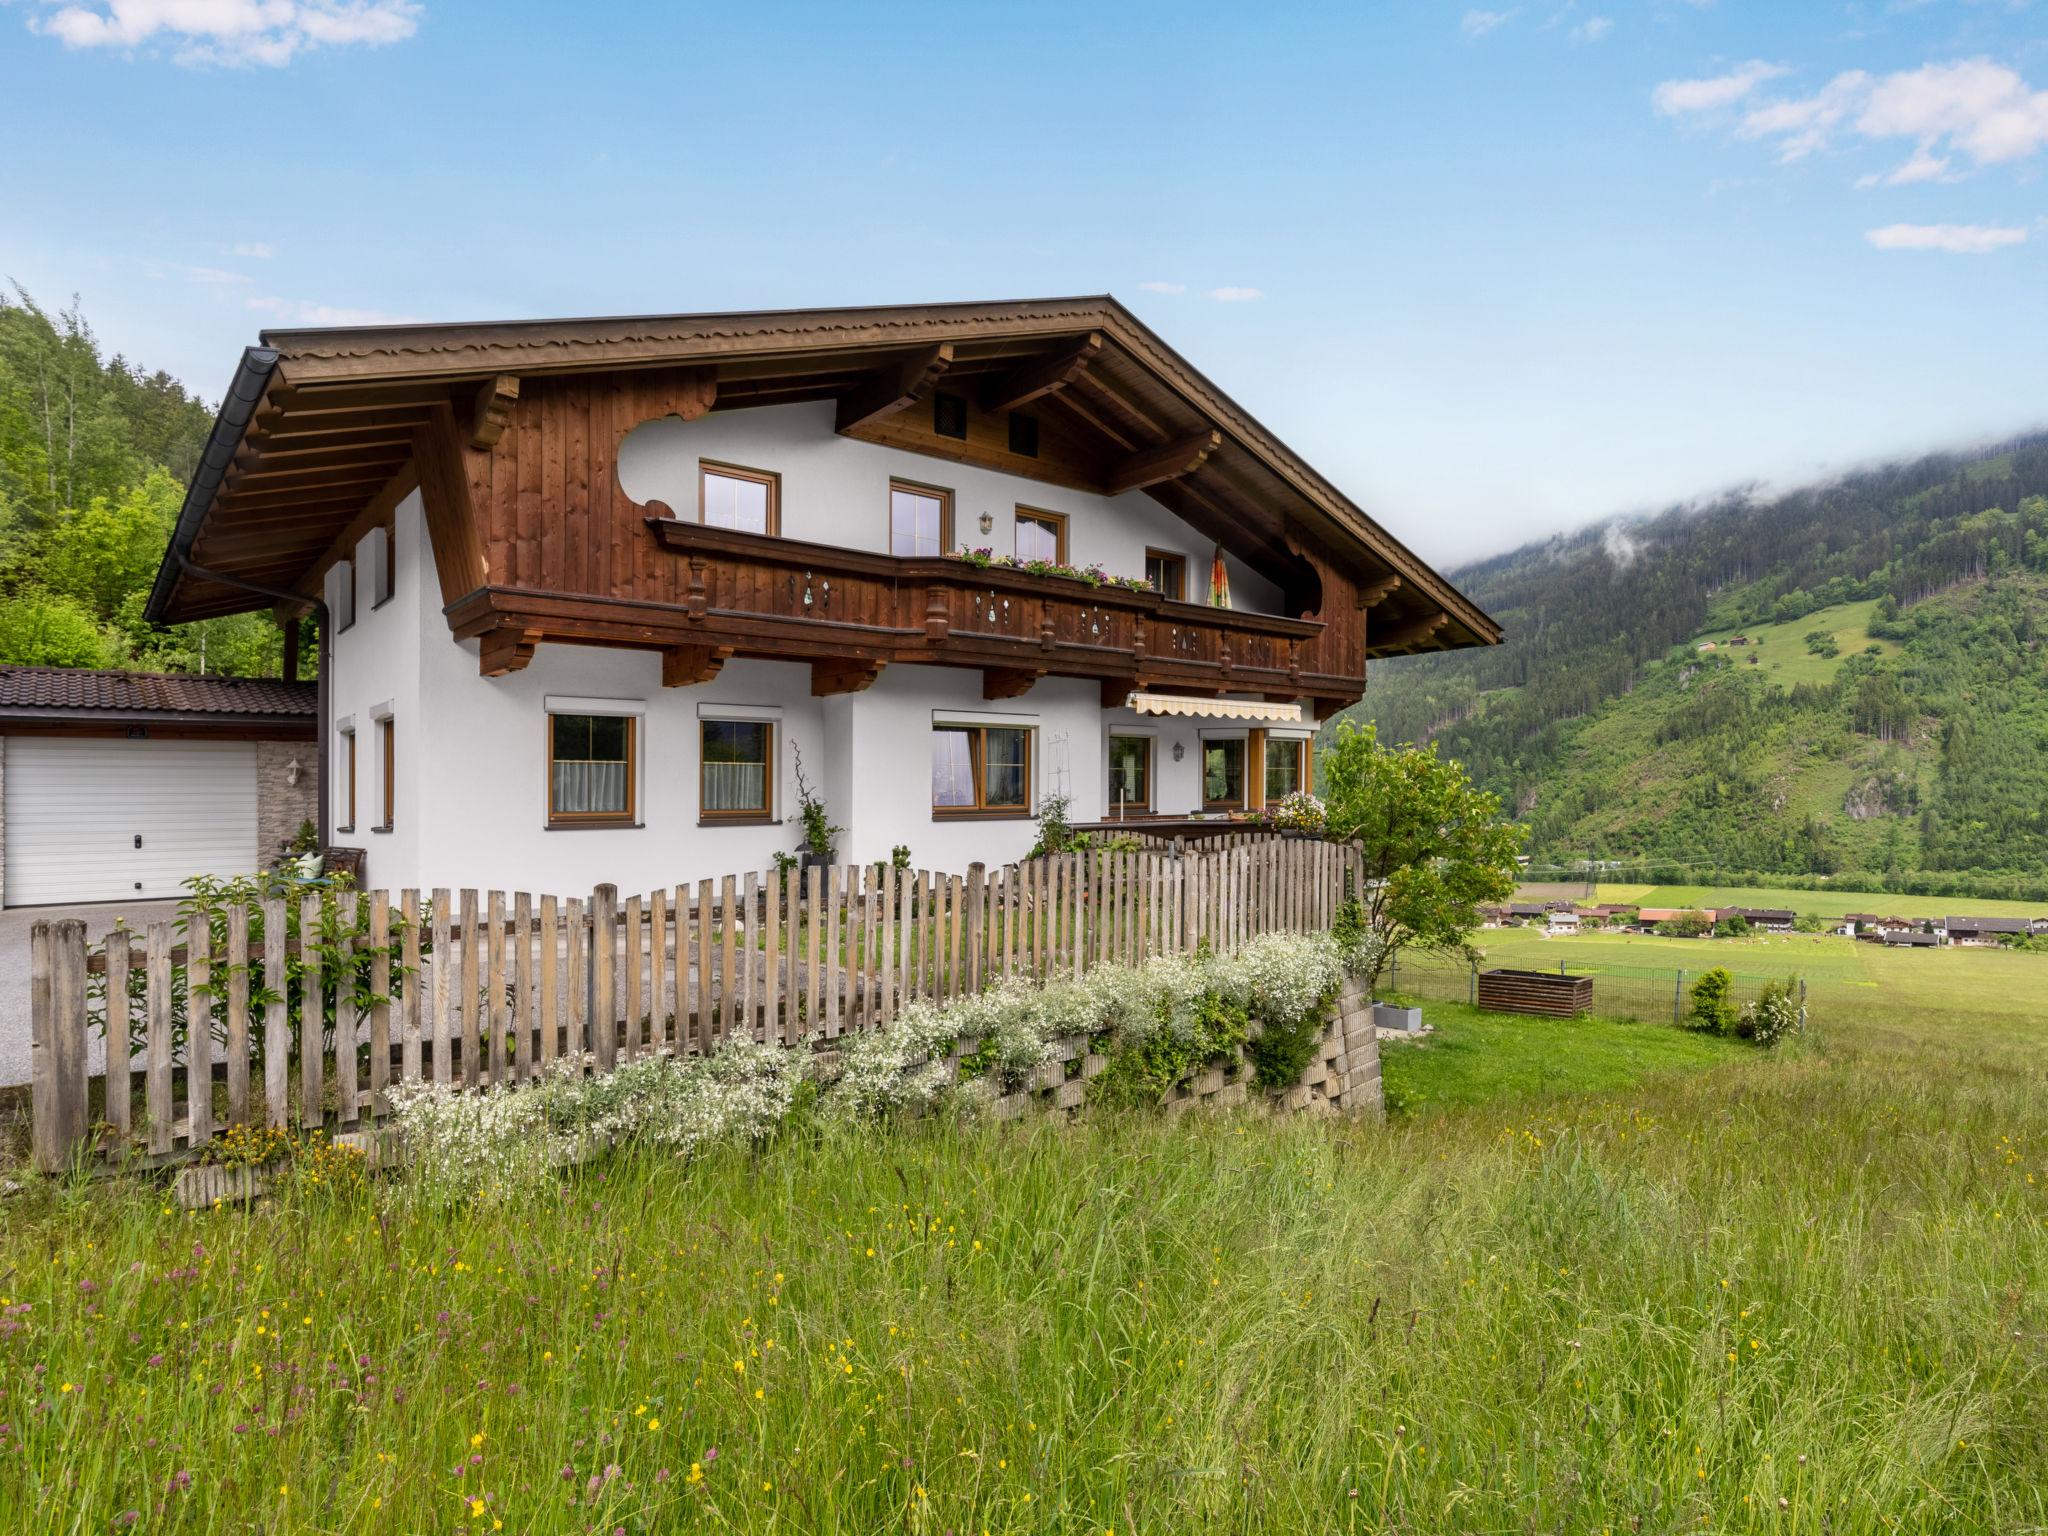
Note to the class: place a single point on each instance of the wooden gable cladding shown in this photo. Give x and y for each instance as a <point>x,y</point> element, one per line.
<point>544,496</point>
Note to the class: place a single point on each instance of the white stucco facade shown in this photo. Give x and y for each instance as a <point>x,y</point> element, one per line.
<point>471,765</point>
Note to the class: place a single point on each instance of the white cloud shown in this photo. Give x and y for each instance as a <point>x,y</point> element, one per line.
<point>1235,295</point>
<point>1804,125</point>
<point>1956,239</point>
<point>1678,98</point>
<point>308,312</point>
<point>1592,29</point>
<point>256,250</point>
<point>1985,111</point>
<point>1920,166</point>
<point>1157,287</point>
<point>232,32</point>
<point>1479,23</point>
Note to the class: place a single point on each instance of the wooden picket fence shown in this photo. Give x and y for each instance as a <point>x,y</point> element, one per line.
<point>477,988</point>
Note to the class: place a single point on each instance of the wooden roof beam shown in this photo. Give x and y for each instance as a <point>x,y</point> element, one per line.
<point>332,401</point>
<point>1018,387</point>
<point>894,387</point>
<point>491,411</point>
<point>1405,637</point>
<point>1378,592</point>
<point>1155,466</point>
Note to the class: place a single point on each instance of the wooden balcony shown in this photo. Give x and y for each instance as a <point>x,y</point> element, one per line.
<point>850,613</point>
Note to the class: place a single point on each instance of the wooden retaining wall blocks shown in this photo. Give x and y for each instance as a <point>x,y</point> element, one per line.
<point>199,1186</point>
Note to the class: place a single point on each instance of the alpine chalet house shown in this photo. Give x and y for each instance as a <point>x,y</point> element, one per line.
<point>589,588</point>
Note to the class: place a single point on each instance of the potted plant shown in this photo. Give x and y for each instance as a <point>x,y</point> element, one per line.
<point>1299,815</point>
<point>821,838</point>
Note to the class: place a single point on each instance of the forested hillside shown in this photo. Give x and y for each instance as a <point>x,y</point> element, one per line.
<point>94,455</point>
<point>1874,701</point>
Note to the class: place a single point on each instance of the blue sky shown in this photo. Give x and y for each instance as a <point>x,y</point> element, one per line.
<point>1495,269</point>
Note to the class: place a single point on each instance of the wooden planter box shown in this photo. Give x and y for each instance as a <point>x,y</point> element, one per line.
<point>1535,992</point>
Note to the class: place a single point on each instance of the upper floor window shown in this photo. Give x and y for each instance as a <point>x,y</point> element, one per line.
<point>749,500</point>
<point>949,414</point>
<point>1023,435</point>
<point>1041,536</point>
<point>920,519</point>
<point>384,562</point>
<point>981,769</point>
<point>343,613</point>
<point>1167,573</point>
<point>738,758</point>
<point>590,769</point>
<point>1286,763</point>
<point>1223,775</point>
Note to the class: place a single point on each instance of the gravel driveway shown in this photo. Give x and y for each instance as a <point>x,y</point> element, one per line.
<point>14,926</point>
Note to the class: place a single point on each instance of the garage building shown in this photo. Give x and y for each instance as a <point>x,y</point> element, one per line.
<point>118,786</point>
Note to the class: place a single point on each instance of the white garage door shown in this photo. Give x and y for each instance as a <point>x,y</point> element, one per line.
<point>99,820</point>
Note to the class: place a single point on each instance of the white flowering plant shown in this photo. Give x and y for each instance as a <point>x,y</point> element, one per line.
<point>1155,1022</point>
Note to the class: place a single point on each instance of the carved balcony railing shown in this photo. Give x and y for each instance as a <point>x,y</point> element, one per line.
<point>851,612</point>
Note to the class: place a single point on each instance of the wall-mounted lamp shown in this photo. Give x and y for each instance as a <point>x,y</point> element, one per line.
<point>292,772</point>
<point>1180,750</point>
<point>988,522</point>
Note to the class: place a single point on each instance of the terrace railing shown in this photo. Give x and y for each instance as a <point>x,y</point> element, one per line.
<point>247,1013</point>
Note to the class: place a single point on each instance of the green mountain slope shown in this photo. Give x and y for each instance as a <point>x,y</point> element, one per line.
<point>1849,679</point>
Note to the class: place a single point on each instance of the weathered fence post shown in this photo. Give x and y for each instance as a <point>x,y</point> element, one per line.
<point>604,936</point>
<point>1677,995</point>
<point>57,1040</point>
<point>977,911</point>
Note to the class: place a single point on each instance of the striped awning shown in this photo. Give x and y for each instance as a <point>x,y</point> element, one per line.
<point>1215,709</point>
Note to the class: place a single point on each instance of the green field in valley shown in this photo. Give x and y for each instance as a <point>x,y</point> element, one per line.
<point>1823,903</point>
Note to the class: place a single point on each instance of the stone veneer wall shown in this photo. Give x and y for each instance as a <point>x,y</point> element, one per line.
<point>282,806</point>
<point>1342,1078</point>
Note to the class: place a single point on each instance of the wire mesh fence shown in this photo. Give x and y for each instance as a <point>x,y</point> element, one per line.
<point>1650,994</point>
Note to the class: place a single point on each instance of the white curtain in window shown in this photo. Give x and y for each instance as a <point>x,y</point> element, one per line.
<point>589,789</point>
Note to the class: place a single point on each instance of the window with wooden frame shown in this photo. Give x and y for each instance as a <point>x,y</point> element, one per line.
<point>981,770</point>
<point>344,614</point>
<point>746,500</point>
<point>1286,762</point>
<point>591,770</point>
<point>736,778</point>
<point>1223,775</point>
<point>387,744</point>
<point>384,544</point>
<point>1168,574</point>
<point>1023,435</point>
<point>1041,536</point>
<point>1130,774</point>
<point>949,414</point>
<point>348,781</point>
<point>920,519</point>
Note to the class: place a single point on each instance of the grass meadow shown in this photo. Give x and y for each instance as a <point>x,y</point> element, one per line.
<point>1593,1277</point>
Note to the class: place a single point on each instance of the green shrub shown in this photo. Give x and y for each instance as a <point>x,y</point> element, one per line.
<point>1283,1051</point>
<point>1775,1014</point>
<point>1713,1003</point>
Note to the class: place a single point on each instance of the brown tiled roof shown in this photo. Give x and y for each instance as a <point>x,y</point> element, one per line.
<point>71,689</point>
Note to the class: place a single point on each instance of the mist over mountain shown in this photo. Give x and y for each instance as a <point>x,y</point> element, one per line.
<point>1847,678</point>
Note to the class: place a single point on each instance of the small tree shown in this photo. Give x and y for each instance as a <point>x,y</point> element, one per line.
<point>1436,848</point>
<point>1713,1003</point>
